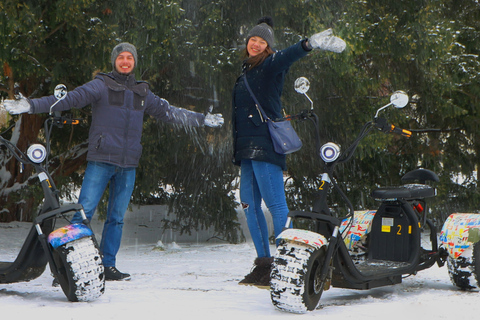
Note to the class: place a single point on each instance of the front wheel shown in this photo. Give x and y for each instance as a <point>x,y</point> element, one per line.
<point>464,272</point>
<point>81,273</point>
<point>295,285</point>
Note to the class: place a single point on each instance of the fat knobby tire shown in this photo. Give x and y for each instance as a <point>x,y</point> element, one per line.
<point>464,271</point>
<point>293,281</point>
<point>81,273</point>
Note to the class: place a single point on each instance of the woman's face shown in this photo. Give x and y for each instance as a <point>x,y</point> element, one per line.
<point>255,46</point>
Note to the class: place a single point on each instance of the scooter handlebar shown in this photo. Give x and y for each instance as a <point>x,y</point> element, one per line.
<point>303,115</point>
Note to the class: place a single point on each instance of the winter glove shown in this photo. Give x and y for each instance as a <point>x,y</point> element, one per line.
<point>325,40</point>
<point>213,120</point>
<point>17,106</point>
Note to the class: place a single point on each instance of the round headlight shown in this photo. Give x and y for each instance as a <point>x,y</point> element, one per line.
<point>36,153</point>
<point>329,152</point>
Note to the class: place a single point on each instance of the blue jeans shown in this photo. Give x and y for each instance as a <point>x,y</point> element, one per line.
<point>122,180</point>
<point>262,180</point>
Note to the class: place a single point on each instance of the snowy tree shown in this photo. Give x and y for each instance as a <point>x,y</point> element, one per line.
<point>44,43</point>
<point>189,52</point>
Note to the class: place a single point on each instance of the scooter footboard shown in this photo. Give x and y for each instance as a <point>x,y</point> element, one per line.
<point>310,238</point>
<point>459,232</point>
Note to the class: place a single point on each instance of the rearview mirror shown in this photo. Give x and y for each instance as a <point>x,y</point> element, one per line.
<point>302,85</point>
<point>60,93</point>
<point>399,99</point>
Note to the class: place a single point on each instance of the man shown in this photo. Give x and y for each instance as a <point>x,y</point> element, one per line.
<point>118,106</point>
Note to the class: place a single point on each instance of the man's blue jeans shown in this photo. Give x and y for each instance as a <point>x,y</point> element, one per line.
<point>262,180</point>
<point>122,180</point>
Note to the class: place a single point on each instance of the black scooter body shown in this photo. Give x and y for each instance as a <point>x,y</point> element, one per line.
<point>364,249</point>
<point>30,262</point>
<point>401,249</point>
<point>36,251</point>
<point>71,250</point>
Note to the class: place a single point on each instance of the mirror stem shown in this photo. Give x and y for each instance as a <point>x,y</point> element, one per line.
<point>311,102</point>
<point>60,99</point>
<point>51,108</point>
<point>376,115</point>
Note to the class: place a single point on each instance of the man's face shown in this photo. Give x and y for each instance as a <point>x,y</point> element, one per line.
<point>125,63</point>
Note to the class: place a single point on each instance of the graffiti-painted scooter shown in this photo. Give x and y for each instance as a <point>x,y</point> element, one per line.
<point>460,236</point>
<point>367,249</point>
<point>71,250</point>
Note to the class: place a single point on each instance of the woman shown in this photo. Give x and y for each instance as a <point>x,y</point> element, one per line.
<point>261,167</point>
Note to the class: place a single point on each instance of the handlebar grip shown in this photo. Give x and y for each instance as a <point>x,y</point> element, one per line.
<point>403,132</point>
<point>71,121</point>
<point>304,114</point>
<point>382,124</point>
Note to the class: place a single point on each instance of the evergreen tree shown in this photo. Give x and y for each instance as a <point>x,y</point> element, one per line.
<point>190,53</point>
<point>45,43</point>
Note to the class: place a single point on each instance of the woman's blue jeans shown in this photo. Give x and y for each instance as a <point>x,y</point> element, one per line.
<point>262,180</point>
<point>122,181</point>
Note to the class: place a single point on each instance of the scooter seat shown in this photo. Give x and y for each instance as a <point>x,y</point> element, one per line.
<point>406,191</point>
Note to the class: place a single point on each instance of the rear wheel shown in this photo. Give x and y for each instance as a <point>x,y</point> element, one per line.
<point>295,285</point>
<point>81,273</point>
<point>464,271</point>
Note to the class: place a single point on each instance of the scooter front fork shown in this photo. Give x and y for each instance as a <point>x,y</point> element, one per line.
<point>46,248</point>
<point>327,269</point>
<point>86,222</point>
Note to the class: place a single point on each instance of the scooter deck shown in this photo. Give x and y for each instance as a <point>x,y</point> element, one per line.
<point>369,267</point>
<point>30,262</point>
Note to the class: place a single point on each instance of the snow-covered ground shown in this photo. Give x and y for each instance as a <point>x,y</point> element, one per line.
<point>199,280</point>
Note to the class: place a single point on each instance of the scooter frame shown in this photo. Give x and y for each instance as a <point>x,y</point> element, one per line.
<point>37,248</point>
<point>337,266</point>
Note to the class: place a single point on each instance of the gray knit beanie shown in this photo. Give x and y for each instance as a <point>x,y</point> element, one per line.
<point>264,30</point>
<point>122,47</point>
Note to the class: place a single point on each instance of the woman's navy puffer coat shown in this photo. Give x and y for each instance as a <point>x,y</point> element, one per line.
<point>250,134</point>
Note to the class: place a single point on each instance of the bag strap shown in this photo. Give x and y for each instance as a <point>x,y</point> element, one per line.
<point>259,107</point>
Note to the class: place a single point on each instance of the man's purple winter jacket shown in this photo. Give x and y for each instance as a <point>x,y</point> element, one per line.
<point>119,103</point>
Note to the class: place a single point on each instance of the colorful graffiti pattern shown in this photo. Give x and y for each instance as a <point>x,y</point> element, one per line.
<point>362,223</point>
<point>454,234</point>
<point>68,233</point>
<point>304,236</point>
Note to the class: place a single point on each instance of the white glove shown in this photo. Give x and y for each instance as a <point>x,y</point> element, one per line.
<point>17,106</point>
<point>214,119</point>
<point>325,40</point>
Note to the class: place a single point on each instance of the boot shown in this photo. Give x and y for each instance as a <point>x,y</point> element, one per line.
<point>260,274</point>
<point>266,277</point>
